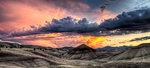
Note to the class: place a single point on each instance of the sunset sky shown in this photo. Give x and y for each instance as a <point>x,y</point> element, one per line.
<point>69,23</point>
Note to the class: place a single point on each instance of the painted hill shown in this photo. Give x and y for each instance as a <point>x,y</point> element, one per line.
<point>140,52</point>
<point>81,52</point>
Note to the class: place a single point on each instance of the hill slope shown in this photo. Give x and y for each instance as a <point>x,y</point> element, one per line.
<point>136,53</point>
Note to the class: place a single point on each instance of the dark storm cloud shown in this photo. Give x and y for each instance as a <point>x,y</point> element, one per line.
<point>128,20</point>
<point>140,39</point>
<point>67,24</point>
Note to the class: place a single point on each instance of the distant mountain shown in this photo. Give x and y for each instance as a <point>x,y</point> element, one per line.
<point>112,48</point>
<point>141,52</point>
<point>81,52</point>
<point>67,48</point>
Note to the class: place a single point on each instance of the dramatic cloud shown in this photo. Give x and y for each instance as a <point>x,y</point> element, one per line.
<point>128,20</point>
<point>19,14</point>
<point>67,24</point>
<point>134,20</point>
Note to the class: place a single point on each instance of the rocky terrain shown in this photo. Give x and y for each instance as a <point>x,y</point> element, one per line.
<point>15,55</point>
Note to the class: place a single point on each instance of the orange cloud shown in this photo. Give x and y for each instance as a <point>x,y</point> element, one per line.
<point>25,14</point>
<point>41,42</point>
<point>53,34</point>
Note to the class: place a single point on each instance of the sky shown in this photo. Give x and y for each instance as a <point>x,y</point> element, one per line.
<point>61,23</point>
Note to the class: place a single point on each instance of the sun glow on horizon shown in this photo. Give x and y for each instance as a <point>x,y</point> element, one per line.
<point>92,41</point>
